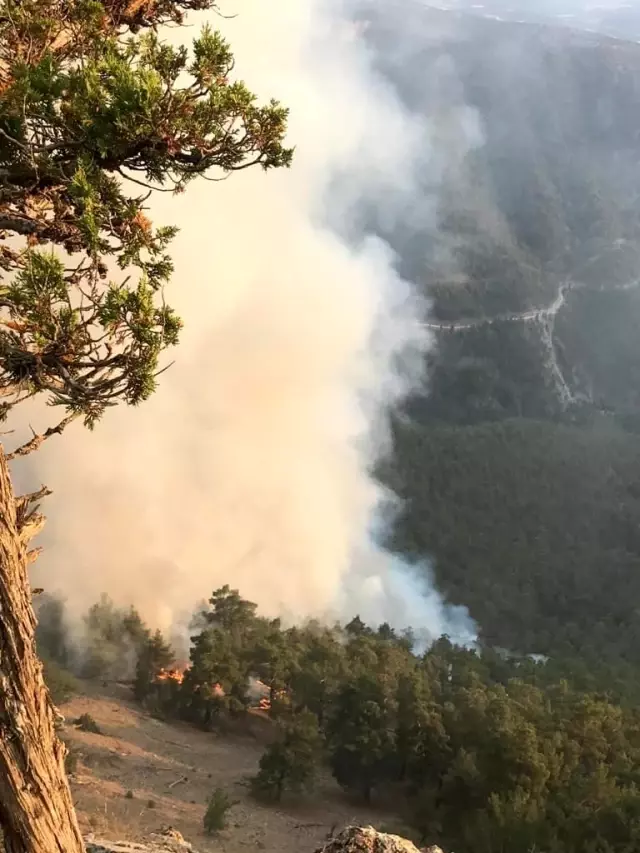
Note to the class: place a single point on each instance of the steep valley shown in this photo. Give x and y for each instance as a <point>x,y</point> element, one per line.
<point>518,461</point>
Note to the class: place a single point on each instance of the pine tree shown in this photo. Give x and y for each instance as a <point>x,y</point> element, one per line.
<point>361,736</point>
<point>272,657</point>
<point>155,656</point>
<point>95,113</point>
<point>218,807</point>
<point>216,681</point>
<point>357,628</point>
<point>320,668</point>
<point>291,762</point>
<point>230,611</point>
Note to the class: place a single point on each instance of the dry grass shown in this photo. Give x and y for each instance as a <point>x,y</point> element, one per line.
<point>171,771</point>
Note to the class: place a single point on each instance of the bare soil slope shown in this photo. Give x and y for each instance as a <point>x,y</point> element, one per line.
<point>171,770</point>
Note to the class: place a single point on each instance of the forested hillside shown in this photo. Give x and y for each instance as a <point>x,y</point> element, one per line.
<point>534,526</point>
<point>520,463</point>
<point>468,749</point>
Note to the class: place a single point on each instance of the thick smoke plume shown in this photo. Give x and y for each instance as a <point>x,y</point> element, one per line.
<point>251,465</point>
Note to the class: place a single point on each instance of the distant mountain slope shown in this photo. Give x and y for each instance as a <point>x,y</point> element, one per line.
<point>520,464</point>
<point>535,177</point>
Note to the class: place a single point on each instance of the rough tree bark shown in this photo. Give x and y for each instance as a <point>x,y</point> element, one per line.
<point>36,808</point>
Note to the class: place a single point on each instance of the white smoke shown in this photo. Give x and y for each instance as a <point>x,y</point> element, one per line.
<point>251,465</point>
<point>406,597</point>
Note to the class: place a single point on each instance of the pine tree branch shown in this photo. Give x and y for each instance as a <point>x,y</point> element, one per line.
<point>32,526</point>
<point>23,502</point>
<point>39,439</point>
<point>33,555</point>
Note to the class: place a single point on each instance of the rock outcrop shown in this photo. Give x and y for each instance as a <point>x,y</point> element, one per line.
<point>168,840</point>
<point>365,839</point>
<point>353,839</point>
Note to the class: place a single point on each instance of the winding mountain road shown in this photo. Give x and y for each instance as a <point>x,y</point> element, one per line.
<point>532,314</point>
<point>546,317</point>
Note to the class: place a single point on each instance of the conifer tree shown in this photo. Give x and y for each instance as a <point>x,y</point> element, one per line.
<point>155,656</point>
<point>291,762</point>
<point>361,736</point>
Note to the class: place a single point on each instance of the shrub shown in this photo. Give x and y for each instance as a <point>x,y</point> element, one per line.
<point>291,762</point>
<point>86,723</point>
<point>215,817</point>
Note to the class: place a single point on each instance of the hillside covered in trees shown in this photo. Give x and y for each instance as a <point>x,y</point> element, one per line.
<point>535,528</point>
<point>466,747</point>
<point>518,462</point>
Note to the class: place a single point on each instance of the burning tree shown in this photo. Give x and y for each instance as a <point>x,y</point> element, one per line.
<point>155,662</point>
<point>95,113</point>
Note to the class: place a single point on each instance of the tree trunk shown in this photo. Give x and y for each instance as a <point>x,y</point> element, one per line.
<point>36,809</point>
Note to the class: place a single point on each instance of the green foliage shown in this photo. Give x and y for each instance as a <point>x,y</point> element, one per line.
<point>477,750</point>
<point>216,661</point>
<point>229,611</point>
<point>215,816</point>
<point>319,670</point>
<point>271,659</point>
<point>96,113</point>
<point>291,762</point>
<point>531,525</point>
<point>422,752</point>
<point>361,735</point>
<point>534,527</point>
<point>233,644</point>
<point>86,723</point>
<point>154,656</point>
<point>536,204</point>
<point>488,373</point>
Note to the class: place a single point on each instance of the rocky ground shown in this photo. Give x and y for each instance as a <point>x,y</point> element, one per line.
<point>351,839</point>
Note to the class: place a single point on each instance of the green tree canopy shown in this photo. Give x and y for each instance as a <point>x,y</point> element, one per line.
<point>155,655</point>
<point>92,119</point>
<point>291,762</point>
<point>480,752</point>
<point>361,735</point>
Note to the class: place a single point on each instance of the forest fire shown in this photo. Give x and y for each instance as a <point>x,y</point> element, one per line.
<point>176,674</point>
<point>258,693</point>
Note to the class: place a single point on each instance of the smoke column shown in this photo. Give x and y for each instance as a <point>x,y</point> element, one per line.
<point>251,464</point>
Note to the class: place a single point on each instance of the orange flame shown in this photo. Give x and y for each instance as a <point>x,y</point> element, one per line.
<point>258,702</point>
<point>175,674</point>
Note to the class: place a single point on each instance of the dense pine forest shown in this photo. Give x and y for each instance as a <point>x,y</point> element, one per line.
<point>534,526</point>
